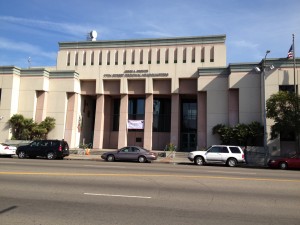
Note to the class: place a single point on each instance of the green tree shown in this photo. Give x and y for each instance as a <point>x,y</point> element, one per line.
<point>27,129</point>
<point>241,134</point>
<point>283,108</point>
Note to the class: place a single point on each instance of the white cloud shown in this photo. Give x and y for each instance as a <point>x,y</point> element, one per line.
<point>244,44</point>
<point>67,28</point>
<point>25,47</point>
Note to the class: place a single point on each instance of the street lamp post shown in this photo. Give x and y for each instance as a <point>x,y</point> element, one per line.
<point>264,105</point>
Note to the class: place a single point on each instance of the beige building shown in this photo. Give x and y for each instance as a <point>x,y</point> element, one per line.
<point>175,90</point>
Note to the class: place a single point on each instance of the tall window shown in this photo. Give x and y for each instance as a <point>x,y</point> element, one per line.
<point>92,58</point>
<point>132,56</point>
<point>149,57</point>
<point>116,57</point>
<point>167,56</point>
<point>175,55</point>
<point>108,58</point>
<point>124,57</point>
<point>161,115</point>
<point>0,95</point>
<point>84,58</point>
<point>193,55</point>
<point>136,109</point>
<point>100,58</point>
<point>141,56</point>
<point>68,59</point>
<point>116,114</point>
<point>76,58</point>
<point>158,56</point>
<point>202,54</point>
<point>212,54</point>
<point>184,55</point>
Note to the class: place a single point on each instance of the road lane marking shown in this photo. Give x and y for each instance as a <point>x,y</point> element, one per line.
<point>121,196</point>
<point>149,175</point>
<point>241,173</point>
<point>121,167</point>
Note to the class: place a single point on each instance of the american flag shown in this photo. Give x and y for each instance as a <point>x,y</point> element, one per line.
<point>290,53</point>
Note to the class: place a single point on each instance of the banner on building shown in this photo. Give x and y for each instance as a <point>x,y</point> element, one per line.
<point>135,124</point>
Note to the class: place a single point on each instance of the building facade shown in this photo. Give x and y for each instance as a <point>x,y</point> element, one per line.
<point>178,89</point>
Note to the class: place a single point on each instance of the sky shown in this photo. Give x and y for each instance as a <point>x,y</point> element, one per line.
<point>33,28</point>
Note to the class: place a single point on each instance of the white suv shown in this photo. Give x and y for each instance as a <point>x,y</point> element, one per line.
<point>224,154</point>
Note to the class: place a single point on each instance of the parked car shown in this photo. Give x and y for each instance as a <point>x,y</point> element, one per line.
<point>51,149</point>
<point>7,150</point>
<point>285,163</point>
<point>218,154</point>
<point>130,153</point>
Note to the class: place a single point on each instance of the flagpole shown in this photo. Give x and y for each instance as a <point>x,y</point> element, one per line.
<point>294,57</point>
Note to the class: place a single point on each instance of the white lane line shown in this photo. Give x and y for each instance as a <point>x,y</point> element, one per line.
<point>231,172</point>
<point>122,167</point>
<point>121,196</point>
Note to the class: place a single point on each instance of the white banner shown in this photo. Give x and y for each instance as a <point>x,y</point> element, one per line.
<point>135,124</point>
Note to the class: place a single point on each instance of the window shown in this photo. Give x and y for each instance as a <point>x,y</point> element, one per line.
<point>158,56</point>
<point>141,57</point>
<point>184,55</point>
<point>167,56</point>
<point>92,58</point>
<point>108,58</point>
<point>136,109</point>
<point>235,150</point>
<point>224,150</point>
<point>68,58</point>
<point>161,115</point>
<point>100,58</point>
<point>76,58</point>
<point>193,55</point>
<point>149,56</point>
<point>116,57</point>
<point>212,54</point>
<point>116,114</point>
<point>202,54</point>
<point>124,57</point>
<point>175,55</point>
<point>84,58</point>
<point>132,56</point>
<point>288,88</point>
<point>214,150</point>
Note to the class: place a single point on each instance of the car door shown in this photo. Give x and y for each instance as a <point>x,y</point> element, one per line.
<point>134,153</point>
<point>44,146</point>
<point>294,163</point>
<point>123,154</point>
<point>213,154</point>
<point>34,149</point>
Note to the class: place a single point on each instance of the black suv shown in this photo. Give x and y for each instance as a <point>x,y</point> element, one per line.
<point>51,149</point>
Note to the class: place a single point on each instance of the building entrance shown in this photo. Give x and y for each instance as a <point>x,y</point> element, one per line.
<point>188,131</point>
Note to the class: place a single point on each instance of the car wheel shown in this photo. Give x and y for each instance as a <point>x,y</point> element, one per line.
<point>232,162</point>
<point>110,158</point>
<point>142,159</point>
<point>199,161</point>
<point>50,155</point>
<point>21,155</point>
<point>283,165</point>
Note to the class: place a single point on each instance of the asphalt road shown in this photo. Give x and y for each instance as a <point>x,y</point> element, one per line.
<point>42,192</point>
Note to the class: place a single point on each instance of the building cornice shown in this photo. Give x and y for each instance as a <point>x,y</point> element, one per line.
<point>144,42</point>
<point>35,72</point>
<point>64,74</point>
<point>10,70</point>
<point>213,71</point>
